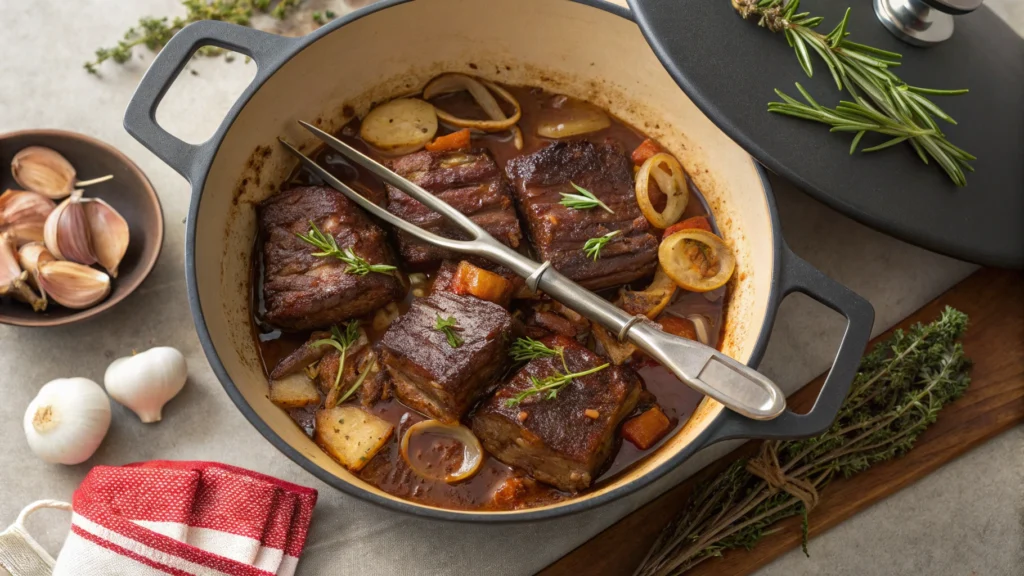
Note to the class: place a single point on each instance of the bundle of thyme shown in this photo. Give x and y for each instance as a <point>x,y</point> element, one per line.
<point>898,392</point>
<point>155,33</point>
<point>882,103</point>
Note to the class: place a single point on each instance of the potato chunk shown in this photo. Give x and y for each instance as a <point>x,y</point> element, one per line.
<point>351,436</point>
<point>294,391</point>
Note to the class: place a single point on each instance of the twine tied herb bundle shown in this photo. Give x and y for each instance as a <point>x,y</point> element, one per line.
<point>898,392</point>
<point>882,103</point>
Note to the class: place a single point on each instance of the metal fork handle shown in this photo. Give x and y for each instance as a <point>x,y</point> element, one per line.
<point>701,367</point>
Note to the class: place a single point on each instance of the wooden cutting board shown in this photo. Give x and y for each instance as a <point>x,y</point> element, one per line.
<point>994,402</point>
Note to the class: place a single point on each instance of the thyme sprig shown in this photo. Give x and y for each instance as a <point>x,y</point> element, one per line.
<point>901,387</point>
<point>340,341</point>
<point>592,247</point>
<point>584,200</point>
<point>550,386</point>
<point>882,102</point>
<point>328,247</point>
<point>155,33</point>
<point>449,327</point>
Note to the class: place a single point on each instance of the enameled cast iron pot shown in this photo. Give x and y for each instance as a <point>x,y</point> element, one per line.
<point>587,49</point>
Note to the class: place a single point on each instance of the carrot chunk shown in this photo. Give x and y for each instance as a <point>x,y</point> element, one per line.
<point>698,222</point>
<point>453,141</point>
<point>678,326</point>
<point>483,284</point>
<point>646,429</point>
<point>645,150</point>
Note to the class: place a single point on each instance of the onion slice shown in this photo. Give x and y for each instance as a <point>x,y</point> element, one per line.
<point>672,183</point>
<point>650,301</point>
<point>472,451</point>
<point>481,91</point>
<point>696,260</point>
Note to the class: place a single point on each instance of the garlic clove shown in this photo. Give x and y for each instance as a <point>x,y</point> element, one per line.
<point>109,233</point>
<point>44,171</point>
<point>145,382</point>
<point>10,269</point>
<point>73,285</point>
<point>31,256</point>
<point>66,231</point>
<point>66,422</point>
<point>23,214</point>
<point>14,281</point>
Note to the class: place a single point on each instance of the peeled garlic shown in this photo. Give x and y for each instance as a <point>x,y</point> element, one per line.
<point>73,285</point>
<point>145,382</point>
<point>23,214</point>
<point>67,231</point>
<point>109,233</point>
<point>67,420</point>
<point>45,171</point>
<point>13,280</point>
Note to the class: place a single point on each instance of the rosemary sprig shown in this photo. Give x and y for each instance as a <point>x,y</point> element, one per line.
<point>154,33</point>
<point>592,248</point>
<point>358,382</point>
<point>328,247</point>
<point>584,200</point>
<point>901,387</point>
<point>340,341</point>
<point>550,386</point>
<point>526,349</point>
<point>882,103</point>
<point>449,326</point>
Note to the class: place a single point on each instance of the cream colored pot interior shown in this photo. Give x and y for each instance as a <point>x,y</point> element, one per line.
<point>563,46</point>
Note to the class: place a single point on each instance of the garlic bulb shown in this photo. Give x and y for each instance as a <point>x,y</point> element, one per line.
<point>67,420</point>
<point>23,214</point>
<point>109,233</point>
<point>13,280</point>
<point>73,285</point>
<point>43,170</point>
<point>67,232</point>
<point>145,382</point>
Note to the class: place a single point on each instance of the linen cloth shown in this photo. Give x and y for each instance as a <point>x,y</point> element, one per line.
<point>185,518</point>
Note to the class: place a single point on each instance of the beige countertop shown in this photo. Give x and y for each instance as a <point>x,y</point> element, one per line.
<point>967,518</point>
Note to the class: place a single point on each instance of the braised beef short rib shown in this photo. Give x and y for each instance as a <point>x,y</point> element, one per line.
<point>559,233</point>
<point>431,376</point>
<point>302,291</point>
<point>471,182</point>
<point>568,440</point>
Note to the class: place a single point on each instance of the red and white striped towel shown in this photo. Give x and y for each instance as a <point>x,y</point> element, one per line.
<point>185,519</point>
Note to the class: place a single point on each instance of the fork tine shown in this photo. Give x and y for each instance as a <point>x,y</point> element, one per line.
<point>382,172</point>
<point>373,208</point>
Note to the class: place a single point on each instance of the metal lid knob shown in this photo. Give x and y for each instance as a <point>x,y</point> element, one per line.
<point>922,22</point>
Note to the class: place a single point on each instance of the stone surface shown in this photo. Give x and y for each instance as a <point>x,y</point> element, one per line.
<point>964,519</point>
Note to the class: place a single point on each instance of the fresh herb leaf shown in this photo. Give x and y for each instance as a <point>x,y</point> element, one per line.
<point>449,326</point>
<point>328,247</point>
<point>882,102</point>
<point>340,341</point>
<point>550,386</point>
<point>318,18</point>
<point>901,387</point>
<point>359,380</point>
<point>593,247</point>
<point>524,349</point>
<point>584,200</point>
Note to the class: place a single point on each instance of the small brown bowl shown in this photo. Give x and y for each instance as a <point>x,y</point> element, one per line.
<point>130,193</point>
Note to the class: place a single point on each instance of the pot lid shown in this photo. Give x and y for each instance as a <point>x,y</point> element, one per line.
<point>730,68</point>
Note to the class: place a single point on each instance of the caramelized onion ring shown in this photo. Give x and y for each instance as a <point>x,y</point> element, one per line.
<point>696,260</point>
<point>481,92</point>
<point>651,301</point>
<point>672,184</point>
<point>472,451</point>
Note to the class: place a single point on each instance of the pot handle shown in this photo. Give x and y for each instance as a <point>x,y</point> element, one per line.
<point>799,276</point>
<point>267,50</point>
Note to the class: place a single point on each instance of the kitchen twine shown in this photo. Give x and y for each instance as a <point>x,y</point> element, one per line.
<point>20,554</point>
<point>766,467</point>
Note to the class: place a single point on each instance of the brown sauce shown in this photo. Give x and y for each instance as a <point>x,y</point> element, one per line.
<point>496,485</point>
